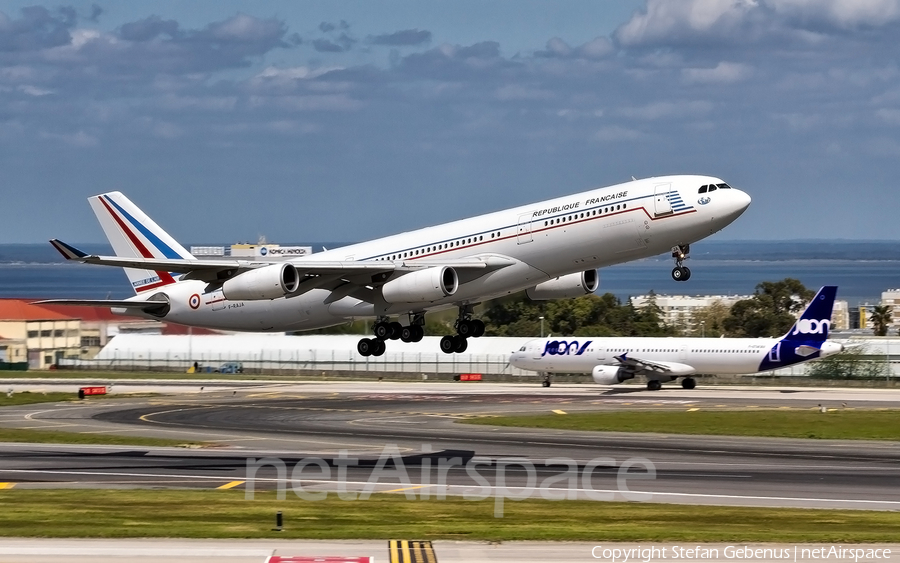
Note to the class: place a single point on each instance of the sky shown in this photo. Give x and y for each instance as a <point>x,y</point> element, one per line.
<point>347,120</point>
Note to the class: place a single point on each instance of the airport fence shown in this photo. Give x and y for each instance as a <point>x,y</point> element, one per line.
<point>303,362</point>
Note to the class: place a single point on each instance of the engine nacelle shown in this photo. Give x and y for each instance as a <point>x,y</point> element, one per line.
<point>421,286</point>
<point>268,282</point>
<point>572,285</point>
<point>610,375</point>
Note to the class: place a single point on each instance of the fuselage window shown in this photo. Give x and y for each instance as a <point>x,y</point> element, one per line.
<point>702,189</point>
<point>624,205</point>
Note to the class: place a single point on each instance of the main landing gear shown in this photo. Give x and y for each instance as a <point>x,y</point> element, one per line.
<point>384,330</point>
<point>686,383</point>
<point>466,326</point>
<point>680,254</point>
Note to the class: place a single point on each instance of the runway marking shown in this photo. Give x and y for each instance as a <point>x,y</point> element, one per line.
<point>559,412</point>
<point>231,485</point>
<point>406,489</point>
<point>693,409</point>
<point>7,485</point>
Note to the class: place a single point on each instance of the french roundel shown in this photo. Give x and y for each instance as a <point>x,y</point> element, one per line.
<point>194,301</point>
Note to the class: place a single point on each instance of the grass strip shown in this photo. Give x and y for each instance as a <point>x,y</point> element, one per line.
<point>28,398</point>
<point>59,437</point>
<point>116,513</point>
<point>834,424</point>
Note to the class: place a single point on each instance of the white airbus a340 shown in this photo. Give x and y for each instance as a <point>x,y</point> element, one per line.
<point>551,249</point>
<point>618,359</point>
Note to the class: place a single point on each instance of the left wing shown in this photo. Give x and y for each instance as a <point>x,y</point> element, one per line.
<point>210,270</point>
<point>644,367</point>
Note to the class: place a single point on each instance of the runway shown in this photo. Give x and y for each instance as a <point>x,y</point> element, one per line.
<point>297,423</point>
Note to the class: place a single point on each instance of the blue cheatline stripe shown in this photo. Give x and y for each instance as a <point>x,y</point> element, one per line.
<point>154,240</point>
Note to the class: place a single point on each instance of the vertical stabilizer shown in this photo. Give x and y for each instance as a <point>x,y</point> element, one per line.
<point>135,235</point>
<point>814,323</point>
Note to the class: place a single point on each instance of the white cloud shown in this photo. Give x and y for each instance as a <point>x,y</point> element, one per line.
<point>660,110</point>
<point>889,116</point>
<point>722,73</point>
<point>613,133</point>
<point>518,92</point>
<point>665,19</point>
<point>842,13</point>
<point>78,139</point>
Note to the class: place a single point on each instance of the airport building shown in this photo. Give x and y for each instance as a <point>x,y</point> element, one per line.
<point>47,336</point>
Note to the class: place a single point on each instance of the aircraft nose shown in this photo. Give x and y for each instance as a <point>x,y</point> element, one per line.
<point>743,199</point>
<point>737,203</point>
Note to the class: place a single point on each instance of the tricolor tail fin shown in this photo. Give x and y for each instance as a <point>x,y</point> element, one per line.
<point>815,321</point>
<point>133,234</point>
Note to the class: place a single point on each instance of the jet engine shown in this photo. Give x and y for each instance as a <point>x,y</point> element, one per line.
<point>572,285</point>
<point>609,375</point>
<point>421,286</point>
<point>268,282</point>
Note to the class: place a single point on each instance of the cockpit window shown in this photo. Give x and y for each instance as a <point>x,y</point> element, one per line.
<point>724,186</point>
<point>703,189</point>
<point>712,187</point>
<point>522,349</point>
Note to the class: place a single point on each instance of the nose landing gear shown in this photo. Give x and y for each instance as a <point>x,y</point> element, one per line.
<point>680,254</point>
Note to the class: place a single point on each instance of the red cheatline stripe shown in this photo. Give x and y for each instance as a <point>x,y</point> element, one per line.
<point>164,277</point>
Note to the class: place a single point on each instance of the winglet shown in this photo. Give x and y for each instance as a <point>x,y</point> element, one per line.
<point>68,251</point>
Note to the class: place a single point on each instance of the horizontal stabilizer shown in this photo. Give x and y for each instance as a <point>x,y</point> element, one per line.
<point>113,303</point>
<point>154,308</point>
<point>805,350</point>
<point>68,251</point>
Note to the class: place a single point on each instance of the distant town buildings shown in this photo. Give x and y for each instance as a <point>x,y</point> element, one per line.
<point>891,298</point>
<point>680,310</point>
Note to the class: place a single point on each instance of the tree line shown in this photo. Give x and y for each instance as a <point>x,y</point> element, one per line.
<point>770,311</point>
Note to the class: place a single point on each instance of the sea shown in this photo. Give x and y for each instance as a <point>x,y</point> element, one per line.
<point>862,270</point>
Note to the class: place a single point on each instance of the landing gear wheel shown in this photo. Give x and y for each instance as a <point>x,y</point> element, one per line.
<point>382,331</point>
<point>678,274</point>
<point>408,334</point>
<point>687,273</point>
<point>545,383</point>
<point>396,329</point>
<point>448,344</point>
<point>418,333</point>
<point>688,383</point>
<point>365,347</point>
<point>380,347</point>
<point>479,328</point>
<point>461,344</point>
<point>654,385</point>
<point>465,328</point>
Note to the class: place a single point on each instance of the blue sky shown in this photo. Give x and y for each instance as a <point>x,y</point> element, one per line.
<point>347,120</point>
